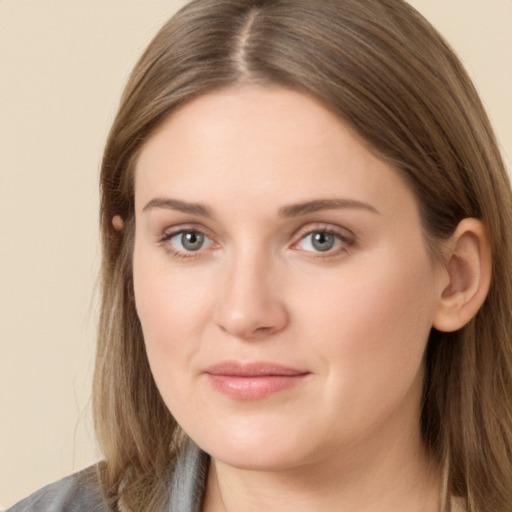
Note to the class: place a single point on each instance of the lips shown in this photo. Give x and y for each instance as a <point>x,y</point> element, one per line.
<point>253,381</point>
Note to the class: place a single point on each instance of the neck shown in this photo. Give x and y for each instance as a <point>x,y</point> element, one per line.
<point>397,475</point>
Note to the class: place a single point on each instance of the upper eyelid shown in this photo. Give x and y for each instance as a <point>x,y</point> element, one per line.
<point>309,228</point>
<point>181,228</point>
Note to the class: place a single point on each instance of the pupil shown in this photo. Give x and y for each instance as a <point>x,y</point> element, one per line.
<point>192,241</point>
<point>323,241</point>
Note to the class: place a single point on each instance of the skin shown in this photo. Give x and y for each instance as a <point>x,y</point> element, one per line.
<point>355,319</point>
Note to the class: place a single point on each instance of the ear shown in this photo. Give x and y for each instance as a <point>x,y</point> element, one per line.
<point>467,263</point>
<point>118,223</point>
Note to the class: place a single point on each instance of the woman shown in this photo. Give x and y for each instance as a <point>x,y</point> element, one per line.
<point>306,293</point>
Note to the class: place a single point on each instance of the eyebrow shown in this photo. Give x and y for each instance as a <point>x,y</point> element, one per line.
<point>317,205</point>
<point>293,210</point>
<point>180,206</point>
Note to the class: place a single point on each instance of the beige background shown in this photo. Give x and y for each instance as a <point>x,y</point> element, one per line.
<point>62,67</point>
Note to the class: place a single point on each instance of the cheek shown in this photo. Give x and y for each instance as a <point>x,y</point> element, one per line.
<point>172,308</point>
<point>383,301</point>
<point>371,330</point>
<point>170,311</point>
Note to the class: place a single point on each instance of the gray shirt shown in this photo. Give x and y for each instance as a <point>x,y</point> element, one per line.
<point>80,493</point>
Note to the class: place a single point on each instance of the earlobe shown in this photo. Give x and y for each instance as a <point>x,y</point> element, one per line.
<point>467,264</point>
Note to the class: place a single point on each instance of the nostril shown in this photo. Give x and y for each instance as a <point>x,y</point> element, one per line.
<point>263,330</point>
<point>247,328</point>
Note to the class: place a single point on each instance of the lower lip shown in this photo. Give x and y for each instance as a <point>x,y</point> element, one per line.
<point>254,387</point>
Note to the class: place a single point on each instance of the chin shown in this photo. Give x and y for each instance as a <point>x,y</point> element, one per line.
<point>252,459</point>
<point>257,451</point>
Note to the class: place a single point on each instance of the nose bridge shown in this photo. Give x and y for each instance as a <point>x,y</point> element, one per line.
<point>250,304</point>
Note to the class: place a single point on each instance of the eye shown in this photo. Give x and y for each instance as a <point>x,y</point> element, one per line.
<point>185,242</point>
<point>323,241</point>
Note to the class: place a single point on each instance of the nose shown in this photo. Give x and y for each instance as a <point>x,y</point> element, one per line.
<point>251,303</point>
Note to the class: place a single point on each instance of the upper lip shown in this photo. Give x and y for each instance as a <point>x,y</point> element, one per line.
<point>252,369</point>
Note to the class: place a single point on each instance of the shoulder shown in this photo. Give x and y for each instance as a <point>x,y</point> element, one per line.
<point>78,492</point>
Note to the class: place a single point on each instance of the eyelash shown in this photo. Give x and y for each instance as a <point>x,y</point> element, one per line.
<point>346,242</point>
<point>167,237</point>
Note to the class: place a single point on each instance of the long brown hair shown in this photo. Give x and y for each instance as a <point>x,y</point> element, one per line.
<point>387,73</point>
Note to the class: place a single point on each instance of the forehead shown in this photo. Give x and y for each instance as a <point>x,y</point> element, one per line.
<point>273,143</point>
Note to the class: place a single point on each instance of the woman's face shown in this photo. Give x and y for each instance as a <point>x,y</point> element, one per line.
<point>281,279</point>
